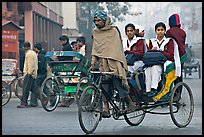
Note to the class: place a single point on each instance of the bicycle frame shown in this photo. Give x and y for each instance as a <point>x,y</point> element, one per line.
<point>10,89</point>
<point>97,84</point>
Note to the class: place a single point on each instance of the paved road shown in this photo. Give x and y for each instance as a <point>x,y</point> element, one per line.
<point>64,121</point>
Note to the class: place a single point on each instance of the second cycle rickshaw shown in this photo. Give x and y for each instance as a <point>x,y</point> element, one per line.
<point>64,79</point>
<point>177,98</point>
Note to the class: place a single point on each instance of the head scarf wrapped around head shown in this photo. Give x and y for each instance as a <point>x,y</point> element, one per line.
<point>100,14</point>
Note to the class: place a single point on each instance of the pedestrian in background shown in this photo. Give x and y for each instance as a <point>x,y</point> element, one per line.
<point>74,46</point>
<point>41,73</point>
<point>29,74</point>
<point>66,46</point>
<point>81,44</point>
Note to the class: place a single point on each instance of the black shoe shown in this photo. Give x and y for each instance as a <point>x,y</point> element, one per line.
<point>152,93</point>
<point>106,114</point>
<point>22,106</point>
<point>145,93</point>
<point>61,105</point>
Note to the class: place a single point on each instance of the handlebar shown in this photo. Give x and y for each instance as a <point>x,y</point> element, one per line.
<point>104,73</point>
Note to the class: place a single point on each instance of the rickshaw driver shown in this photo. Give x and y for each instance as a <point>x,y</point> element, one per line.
<point>108,49</point>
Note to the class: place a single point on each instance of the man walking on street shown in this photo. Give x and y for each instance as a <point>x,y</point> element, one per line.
<point>41,73</point>
<point>30,75</point>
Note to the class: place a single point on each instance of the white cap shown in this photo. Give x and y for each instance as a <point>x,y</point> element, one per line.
<point>140,28</point>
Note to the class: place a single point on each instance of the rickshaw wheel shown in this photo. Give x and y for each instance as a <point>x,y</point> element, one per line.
<point>50,94</point>
<point>82,84</point>
<point>89,109</point>
<point>135,118</point>
<point>181,105</point>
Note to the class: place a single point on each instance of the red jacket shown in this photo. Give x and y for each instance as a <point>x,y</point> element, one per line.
<point>179,35</point>
<point>168,49</point>
<point>137,49</point>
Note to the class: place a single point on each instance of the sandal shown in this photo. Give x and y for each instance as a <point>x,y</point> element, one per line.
<point>152,93</point>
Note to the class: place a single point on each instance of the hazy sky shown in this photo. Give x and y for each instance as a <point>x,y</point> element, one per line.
<point>149,18</point>
<point>140,7</point>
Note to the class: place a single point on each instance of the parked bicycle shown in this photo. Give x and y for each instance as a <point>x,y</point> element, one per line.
<point>14,86</point>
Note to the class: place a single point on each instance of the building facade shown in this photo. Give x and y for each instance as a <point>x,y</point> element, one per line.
<point>40,22</point>
<point>70,18</point>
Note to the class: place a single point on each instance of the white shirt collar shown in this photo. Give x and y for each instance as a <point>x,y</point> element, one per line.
<point>163,39</point>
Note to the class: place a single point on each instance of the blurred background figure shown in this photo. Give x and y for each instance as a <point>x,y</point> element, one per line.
<point>41,73</point>
<point>141,31</point>
<point>81,45</point>
<point>75,46</point>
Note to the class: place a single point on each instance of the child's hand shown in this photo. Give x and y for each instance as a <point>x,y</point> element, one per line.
<point>154,48</point>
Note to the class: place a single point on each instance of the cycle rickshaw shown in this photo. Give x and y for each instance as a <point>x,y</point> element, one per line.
<point>180,108</point>
<point>192,64</point>
<point>64,79</point>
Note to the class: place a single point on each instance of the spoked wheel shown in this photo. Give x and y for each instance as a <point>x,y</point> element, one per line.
<point>89,109</point>
<point>181,105</point>
<point>134,118</point>
<point>50,94</point>
<point>83,83</point>
<point>6,93</point>
<point>19,87</point>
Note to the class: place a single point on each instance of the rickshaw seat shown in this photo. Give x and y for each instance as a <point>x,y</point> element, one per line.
<point>171,66</point>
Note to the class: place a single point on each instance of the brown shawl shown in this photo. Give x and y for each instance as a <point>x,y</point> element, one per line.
<point>107,46</point>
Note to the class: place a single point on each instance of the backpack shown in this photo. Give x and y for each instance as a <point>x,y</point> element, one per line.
<point>153,57</point>
<point>131,58</point>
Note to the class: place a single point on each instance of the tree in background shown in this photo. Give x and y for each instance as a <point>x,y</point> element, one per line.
<point>117,11</point>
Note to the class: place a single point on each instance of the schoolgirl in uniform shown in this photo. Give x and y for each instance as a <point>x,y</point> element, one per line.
<point>133,45</point>
<point>166,45</point>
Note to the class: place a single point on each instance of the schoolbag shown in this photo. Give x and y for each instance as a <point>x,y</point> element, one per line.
<point>153,57</point>
<point>131,58</point>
